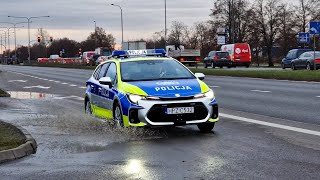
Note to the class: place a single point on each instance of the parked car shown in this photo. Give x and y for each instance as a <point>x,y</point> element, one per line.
<point>292,54</point>
<point>240,53</point>
<point>218,59</point>
<point>307,61</point>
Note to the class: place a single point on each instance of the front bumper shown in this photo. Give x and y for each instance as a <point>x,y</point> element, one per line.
<point>153,113</point>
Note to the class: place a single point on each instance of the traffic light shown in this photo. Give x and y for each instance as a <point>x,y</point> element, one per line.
<point>80,51</point>
<point>51,39</point>
<point>39,39</point>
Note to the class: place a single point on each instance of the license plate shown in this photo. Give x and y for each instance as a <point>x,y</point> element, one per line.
<point>180,110</point>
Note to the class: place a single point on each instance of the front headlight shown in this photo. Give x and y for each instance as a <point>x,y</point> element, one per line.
<point>135,98</point>
<point>209,94</point>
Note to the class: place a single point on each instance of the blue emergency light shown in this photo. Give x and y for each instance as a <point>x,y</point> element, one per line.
<point>146,52</point>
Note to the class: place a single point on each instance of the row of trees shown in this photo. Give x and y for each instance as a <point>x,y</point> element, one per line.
<point>269,26</point>
<point>99,38</point>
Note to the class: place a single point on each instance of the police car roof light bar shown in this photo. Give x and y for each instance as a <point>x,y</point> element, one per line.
<point>146,52</point>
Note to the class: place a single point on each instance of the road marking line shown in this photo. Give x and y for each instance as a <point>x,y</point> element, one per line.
<point>45,79</point>
<point>51,80</point>
<point>290,128</point>
<point>40,87</point>
<point>56,81</point>
<point>215,86</point>
<point>72,85</point>
<point>318,96</point>
<point>18,81</point>
<point>255,90</point>
<point>64,83</point>
<point>83,87</point>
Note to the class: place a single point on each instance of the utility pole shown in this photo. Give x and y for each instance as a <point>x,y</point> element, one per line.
<point>165,23</point>
<point>95,33</point>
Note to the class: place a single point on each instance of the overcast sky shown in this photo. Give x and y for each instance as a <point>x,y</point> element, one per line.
<point>74,18</point>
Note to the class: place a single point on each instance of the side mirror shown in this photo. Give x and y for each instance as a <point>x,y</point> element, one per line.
<point>201,76</point>
<point>106,81</point>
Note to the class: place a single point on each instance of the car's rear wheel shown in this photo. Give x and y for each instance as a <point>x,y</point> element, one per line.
<point>213,65</point>
<point>117,115</point>
<point>293,67</point>
<point>309,67</point>
<point>88,108</point>
<point>206,127</point>
<point>282,66</point>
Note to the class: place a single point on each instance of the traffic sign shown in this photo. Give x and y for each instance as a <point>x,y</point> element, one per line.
<point>304,37</point>
<point>221,40</point>
<point>314,27</point>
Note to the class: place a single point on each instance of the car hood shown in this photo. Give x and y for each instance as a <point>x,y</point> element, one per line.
<point>167,88</point>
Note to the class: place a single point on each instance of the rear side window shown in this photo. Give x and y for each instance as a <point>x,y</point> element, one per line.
<point>299,53</point>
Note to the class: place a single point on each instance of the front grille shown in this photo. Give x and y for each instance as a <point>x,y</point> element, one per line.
<point>177,98</point>
<point>157,113</point>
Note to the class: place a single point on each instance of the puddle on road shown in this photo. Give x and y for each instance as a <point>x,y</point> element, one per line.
<point>30,95</point>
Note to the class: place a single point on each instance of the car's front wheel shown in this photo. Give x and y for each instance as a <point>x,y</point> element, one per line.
<point>205,64</point>
<point>117,115</point>
<point>282,66</point>
<point>88,108</point>
<point>206,127</point>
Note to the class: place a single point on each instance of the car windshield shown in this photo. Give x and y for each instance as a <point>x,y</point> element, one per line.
<point>153,70</point>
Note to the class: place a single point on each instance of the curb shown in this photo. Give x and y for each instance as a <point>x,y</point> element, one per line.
<point>26,149</point>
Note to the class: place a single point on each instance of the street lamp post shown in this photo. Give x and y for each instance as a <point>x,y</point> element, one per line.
<point>165,23</point>
<point>121,21</point>
<point>8,30</point>
<point>29,18</point>
<point>15,35</point>
<point>95,32</point>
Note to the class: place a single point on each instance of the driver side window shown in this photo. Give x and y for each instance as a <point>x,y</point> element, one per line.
<point>112,73</point>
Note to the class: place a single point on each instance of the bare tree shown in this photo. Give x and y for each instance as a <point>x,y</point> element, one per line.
<point>177,32</point>
<point>269,22</point>
<point>306,11</point>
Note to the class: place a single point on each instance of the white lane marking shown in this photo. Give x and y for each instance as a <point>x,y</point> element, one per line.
<point>64,83</point>
<point>289,128</point>
<point>70,97</point>
<point>40,87</point>
<point>255,90</point>
<point>72,85</point>
<point>83,87</point>
<point>45,79</point>
<point>318,96</point>
<point>56,81</point>
<point>51,80</point>
<point>18,81</point>
<point>215,86</point>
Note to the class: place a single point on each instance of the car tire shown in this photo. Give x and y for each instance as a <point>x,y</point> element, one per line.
<point>221,67</point>
<point>293,67</point>
<point>117,115</point>
<point>206,127</point>
<point>213,65</point>
<point>248,65</point>
<point>309,67</point>
<point>282,66</point>
<point>88,109</point>
<point>205,65</point>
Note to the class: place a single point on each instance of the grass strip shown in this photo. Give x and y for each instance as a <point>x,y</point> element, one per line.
<point>10,136</point>
<point>300,75</point>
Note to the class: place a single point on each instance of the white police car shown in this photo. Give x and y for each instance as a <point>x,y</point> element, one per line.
<point>145,88</point>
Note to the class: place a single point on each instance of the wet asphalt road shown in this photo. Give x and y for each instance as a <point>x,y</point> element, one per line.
<point>73,146</point>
